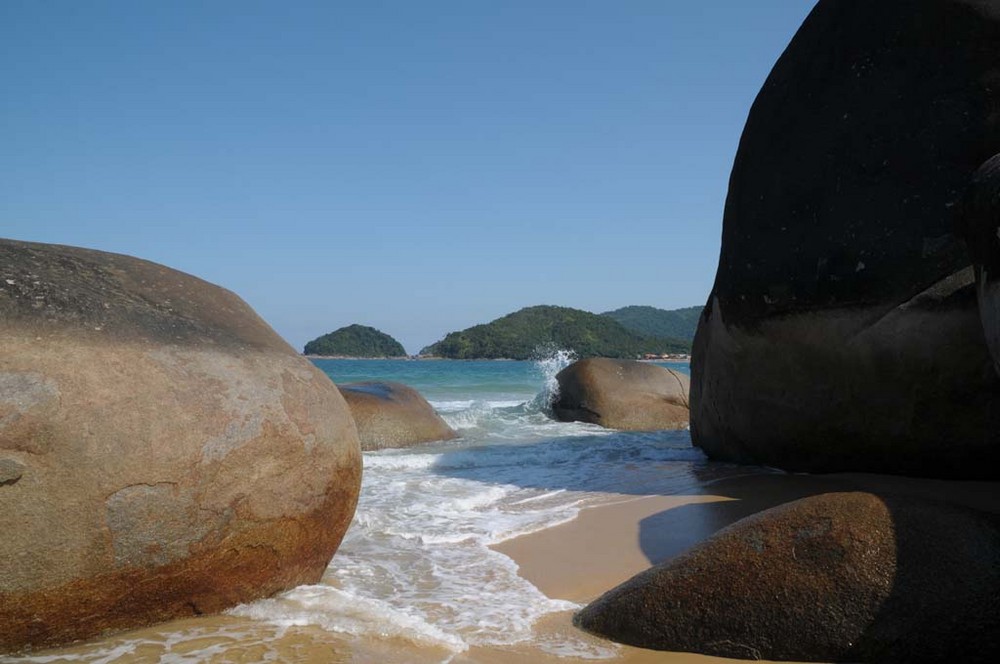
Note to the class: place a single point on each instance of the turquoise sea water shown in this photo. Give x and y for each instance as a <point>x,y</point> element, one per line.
<point>460,380</point>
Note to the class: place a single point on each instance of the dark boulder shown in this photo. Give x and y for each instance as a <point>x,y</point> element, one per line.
<point>622,394</point>
<point>980,225</point>
<point>843,331</point>
<point>163,453</point>
<point>391,414</point>
<point>834,577</point>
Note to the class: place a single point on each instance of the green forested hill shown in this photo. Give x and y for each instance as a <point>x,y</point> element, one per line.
<point>356,341</point>
<point>653,322</point>
<point>519,335</point>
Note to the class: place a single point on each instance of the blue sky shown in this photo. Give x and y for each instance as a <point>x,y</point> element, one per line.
<point>415,166</point>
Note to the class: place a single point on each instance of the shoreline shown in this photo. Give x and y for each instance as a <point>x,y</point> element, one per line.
<point>600,548</point>
<point>604,545</point>
<point>609,543</point>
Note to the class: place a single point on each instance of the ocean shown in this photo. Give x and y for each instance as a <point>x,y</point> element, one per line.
<point>416,568</point>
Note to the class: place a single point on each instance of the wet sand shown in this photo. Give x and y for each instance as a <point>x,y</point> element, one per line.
<point>607,544</point>
<point>576,561</point>
<point>312,645</point>
<point>602,547</point>
<point>610,543</point>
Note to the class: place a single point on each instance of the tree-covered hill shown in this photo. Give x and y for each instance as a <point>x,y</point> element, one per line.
<point>519,335</point>
<point>653,322</point>
<point>356,341</point>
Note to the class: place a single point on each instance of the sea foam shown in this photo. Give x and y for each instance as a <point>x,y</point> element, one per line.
<point>417,560</point>
<point>417,563</point>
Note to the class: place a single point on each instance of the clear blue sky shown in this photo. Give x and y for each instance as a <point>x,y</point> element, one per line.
<point>415,166</point>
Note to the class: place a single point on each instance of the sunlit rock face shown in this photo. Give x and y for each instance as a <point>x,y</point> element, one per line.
<point>162,451</point>
<point>622,394</point>
<point>843,331</point>
<point>390,414</point>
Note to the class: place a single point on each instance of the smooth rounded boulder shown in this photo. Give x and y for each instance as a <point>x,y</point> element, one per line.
<point>163,452</point>
<point>622,394</point>
<point>390,414</point>
<point>843,331</point>
<point>835,577</point>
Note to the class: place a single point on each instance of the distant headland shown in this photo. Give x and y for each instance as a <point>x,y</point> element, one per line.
<point>520,335</point>
<point>633,332</point>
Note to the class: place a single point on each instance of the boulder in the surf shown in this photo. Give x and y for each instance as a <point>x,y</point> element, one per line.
<point>163,453</point>
<point>390,414</point>
<point>622,394</point>
<point>835,577</point>
<point>843,332</point>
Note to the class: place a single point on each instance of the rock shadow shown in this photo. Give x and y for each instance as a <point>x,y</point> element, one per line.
<point>623,462</point>
<point>671,532</point>
<point>942,555</point>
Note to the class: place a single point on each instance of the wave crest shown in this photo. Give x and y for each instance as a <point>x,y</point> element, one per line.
<point>549,361</point>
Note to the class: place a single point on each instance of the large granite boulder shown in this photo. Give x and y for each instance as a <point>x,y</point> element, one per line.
<point>391,414</point>
<point>836,577</point>
<point>843,330</point>
<point>163,452</point>
<point>622,394</point>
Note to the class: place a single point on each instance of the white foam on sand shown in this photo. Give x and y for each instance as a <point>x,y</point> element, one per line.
<point>168,647</point>
<point>343,613</point>
<point>416,563</point>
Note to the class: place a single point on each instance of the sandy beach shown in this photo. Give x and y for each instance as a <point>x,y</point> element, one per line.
<point>577,561</point>
<point>608,544</point>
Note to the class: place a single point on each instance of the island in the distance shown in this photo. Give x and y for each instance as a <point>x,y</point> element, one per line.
<point>358,341</point>
<point>520,335</point>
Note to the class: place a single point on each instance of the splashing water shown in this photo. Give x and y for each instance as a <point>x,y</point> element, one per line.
<point>549,361</point>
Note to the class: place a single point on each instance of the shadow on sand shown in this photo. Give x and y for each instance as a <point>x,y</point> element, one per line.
<point>945,558</point>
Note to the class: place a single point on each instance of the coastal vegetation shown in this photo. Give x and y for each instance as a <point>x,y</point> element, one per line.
<point>519,335</point>
<point>661,323</point>
<point>356,341</point>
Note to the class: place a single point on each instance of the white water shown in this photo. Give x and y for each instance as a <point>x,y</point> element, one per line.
<point>416,564</point>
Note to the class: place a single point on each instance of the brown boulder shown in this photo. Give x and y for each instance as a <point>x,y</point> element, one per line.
<point>834,577</point>
<point>622,394</point>
<point>163,452</point>
<point>391,414</point>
